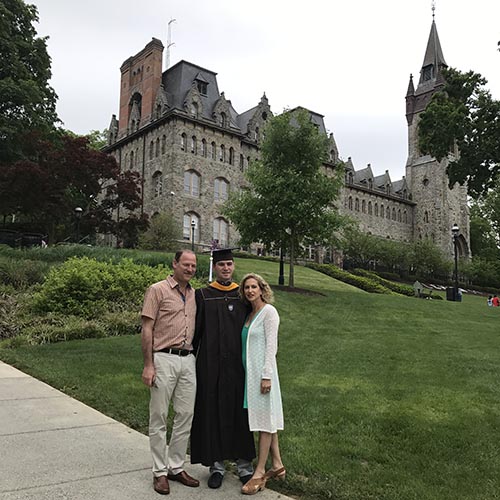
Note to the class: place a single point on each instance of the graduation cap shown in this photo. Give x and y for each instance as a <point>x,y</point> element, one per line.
<point>222,254</point>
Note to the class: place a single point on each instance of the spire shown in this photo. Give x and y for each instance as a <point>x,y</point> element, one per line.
<point>433,59</point>
<point>411,88</point>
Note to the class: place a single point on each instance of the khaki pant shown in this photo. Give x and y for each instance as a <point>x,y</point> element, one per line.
<point>175,381</point>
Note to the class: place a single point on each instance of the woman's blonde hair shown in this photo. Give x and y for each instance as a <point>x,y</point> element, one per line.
<point>267,293</point>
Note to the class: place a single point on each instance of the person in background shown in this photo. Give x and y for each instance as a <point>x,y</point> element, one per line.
<point>495,301</point>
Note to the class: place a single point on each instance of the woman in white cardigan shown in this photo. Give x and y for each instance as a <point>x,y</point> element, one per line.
<point>262,386</point>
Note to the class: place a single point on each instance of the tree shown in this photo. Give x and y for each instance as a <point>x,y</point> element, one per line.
<point>483,237</point>
<point>162,234</point>
<point>359,248</point>
<point>59,175</point>
<point>464,119</point>
<point>289,201</point>
<point>27,101</point>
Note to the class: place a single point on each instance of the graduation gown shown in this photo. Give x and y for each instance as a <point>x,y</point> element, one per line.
<point>220,428</point>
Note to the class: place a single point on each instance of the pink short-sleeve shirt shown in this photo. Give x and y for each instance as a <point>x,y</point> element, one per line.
<point>173,314</point>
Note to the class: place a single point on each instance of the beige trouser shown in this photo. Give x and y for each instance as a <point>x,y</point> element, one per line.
<point>175,381</point>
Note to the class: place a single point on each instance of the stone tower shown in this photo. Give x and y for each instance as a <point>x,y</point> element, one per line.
<point>437,206</point>
<point>141,77</point>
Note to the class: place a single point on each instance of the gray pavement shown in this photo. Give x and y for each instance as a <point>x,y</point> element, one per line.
<point>53,447</point>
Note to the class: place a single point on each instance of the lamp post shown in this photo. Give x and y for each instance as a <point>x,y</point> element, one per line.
<point>281,277</point>
<point>193,227</point>
<point>78,216</point>
<point>454,231</point>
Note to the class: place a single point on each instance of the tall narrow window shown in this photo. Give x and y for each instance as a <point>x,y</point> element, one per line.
<point>376,210</point>
<point>222,153</point>
<point>157,184</point>
<point>203,148</point>
<point>157,148</point>
<point>221,231</point>
<point>163,144</point>
<point>193,144</point>
<point>187,227</point>
<point>183,142</point>
<point>382,210</point>
<point>151,150</point>
<point>356,205</point>
<point>221,189</point>
<point>242,163</point>
<point>363,206</point>
<point>369,208</point>
<point>231,156</point>
<point>213,152</point>
<point>350,203</point>
<point>192,183</point>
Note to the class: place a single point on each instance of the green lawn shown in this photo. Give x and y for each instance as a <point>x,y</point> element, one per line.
<point>385,397</point>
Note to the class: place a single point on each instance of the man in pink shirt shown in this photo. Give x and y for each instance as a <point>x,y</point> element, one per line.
<point>168,321</point>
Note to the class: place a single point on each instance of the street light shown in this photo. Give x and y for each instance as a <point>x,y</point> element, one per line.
<point>281,277</point>
<point>454,231</point>
<point>193,226</point>
<point>78,216</point>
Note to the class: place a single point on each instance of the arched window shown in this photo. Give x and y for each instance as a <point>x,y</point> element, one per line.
<point>192,183</point>
<point>204,148</point>
<point>151,150</point>
<point>388,188</point>
<point>382,210</point>
<point>193,144</point>
<point>157,184</point>
<point>370,183</point>
<point>369,208</point>
<point>387,213</point>
<point>221,232</point>
<point>376,209</point>
<point>223,120</point>
<point>393,213</point>
<point>163,144</point>
<point>350,178</point>
<point>222,153</point>
<point>231,156</point>
<point>183,142</point>
<point>242,163</point>
<point>157,149</point>
<point>131,159</point>
<point>356,205</point>
<point>349,203</point>
<point>405,217</point>
<point>213,152</point>
<point>399,215</point>
<point>256,133</point>
<point>363,206</point>
<point>187,230</point>
<point>221,189</point>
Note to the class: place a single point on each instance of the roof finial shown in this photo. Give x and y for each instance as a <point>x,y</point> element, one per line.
<point>433,9</point>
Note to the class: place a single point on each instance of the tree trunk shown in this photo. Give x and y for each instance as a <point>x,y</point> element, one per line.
<point>291,281</point>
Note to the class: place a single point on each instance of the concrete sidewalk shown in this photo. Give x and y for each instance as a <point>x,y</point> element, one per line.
<point>53,447</point>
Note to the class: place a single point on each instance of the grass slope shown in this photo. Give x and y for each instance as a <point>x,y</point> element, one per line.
<point>385,397</point>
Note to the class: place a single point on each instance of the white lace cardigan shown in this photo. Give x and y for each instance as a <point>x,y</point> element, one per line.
<point>265,411</point>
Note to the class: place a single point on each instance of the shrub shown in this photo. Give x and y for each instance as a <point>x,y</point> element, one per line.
<point>22,273</point>
<point>395,287</point>
<point>84,286</point>
<point>360,282</point>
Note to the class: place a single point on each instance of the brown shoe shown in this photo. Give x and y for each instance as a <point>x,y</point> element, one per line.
<point>253,486</point>
<point>160,485</point>
<point>184,478</point>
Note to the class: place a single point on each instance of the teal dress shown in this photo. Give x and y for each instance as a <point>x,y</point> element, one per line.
<point>244,335</point>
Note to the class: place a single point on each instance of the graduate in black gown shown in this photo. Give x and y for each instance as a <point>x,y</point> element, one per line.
<point>220,425</point>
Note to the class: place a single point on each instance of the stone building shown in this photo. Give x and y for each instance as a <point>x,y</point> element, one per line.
<point>192,147</point>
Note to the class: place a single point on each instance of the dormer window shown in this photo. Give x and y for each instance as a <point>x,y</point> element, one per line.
<point>428,72</point>
<point>202,87</point>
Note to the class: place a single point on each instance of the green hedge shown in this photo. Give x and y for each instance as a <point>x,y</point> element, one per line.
<point>358,281</point>
<point>395,287</point>
<point>22,273</point>
<point>86,287</point>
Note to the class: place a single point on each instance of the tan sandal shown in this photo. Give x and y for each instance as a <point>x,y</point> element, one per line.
<point>279,474</point>
<point>254,485</point>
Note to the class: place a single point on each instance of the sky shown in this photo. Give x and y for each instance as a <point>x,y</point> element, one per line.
<point>347,60</point>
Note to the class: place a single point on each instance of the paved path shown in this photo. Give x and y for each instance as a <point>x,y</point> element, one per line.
<point>53,447</point>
